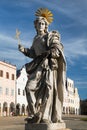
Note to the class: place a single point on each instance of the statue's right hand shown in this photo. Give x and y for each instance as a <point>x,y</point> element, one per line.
<point>20,48</point>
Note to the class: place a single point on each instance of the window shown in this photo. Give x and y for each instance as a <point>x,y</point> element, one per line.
<point>7,91</point>
<point>1,73</point>
<point>12,92</point>
<point>18,91</point>
<point>12,76</point>
<point>23,93</point>
<point>68,83</point>
<point>0,90</point>
<point>7,75</point>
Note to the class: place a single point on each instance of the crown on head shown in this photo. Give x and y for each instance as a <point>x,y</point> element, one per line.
<point>43,12</point>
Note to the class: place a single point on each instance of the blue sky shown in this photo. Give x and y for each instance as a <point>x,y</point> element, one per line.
<point>70,19</point>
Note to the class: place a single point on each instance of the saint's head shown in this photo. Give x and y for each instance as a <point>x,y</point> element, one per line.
<point>43,19</point>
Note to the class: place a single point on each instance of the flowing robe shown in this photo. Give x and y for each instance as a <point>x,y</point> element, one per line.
<point>44,89</point>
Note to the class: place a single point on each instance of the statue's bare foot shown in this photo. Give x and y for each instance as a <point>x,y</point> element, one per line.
<point>28,118</point>
<point>35,119</point>
<point>45,121</point>
<point>58,121</point>
<point>61,121</point>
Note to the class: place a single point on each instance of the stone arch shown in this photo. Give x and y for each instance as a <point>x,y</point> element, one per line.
<point>23,109</point>
<point>5,108</point>
<point>64,110</point>
<point>70,110</point>
<point>12,108</point>
<point>28,111</point>
<point>67,110</point>
<point>18,109</point>
<point>76,111</point>
<point>73,110</point>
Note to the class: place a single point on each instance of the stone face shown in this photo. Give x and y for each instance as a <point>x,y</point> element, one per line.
<point>43,126</point>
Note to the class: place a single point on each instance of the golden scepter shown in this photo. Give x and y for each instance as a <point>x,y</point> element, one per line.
<point>17,36</point>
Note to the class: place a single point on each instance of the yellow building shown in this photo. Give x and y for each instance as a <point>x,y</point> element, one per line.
<point>7,88</point>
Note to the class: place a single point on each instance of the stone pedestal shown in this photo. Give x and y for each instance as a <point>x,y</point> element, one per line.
<point>42,126</point>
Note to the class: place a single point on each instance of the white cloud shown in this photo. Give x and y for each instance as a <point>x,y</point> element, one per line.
<point>81,83</point>
<point>75,48</point>
<point>6,38</point>
<point>8,41</point>
<point>9,50</point>
<point>73,9</point>
<point>85,66</point>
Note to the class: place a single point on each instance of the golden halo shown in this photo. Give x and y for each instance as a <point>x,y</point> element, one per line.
<point>45,13</point>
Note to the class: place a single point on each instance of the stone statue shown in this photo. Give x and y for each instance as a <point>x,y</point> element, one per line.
<point>44,88</point>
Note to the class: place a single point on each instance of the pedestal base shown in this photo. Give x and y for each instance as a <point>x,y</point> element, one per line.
<point>42,126</point>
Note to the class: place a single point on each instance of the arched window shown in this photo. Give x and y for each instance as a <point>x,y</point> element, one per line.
<point>1,73</point>
<point>7,75</point>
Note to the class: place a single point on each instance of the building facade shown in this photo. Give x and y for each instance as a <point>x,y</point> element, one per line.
<point>71,104</point>
<point>7,88</point>
<point>13,96</point>
<point>21,102</point>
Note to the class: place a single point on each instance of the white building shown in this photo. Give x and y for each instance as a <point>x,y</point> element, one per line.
<point>71,104</point>
<point>21,102</point>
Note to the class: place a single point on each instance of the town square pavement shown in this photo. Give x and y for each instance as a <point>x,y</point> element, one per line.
<point>18,123</point>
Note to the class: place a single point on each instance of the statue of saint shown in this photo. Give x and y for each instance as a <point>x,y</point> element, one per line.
<point>44,88</point>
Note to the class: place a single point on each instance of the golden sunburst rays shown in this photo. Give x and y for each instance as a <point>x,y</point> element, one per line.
<point>43,12</point>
